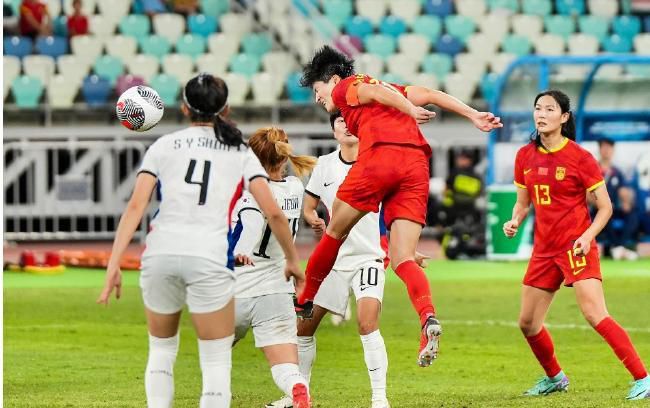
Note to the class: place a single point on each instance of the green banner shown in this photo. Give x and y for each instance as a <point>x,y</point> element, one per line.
<point>501,199</point>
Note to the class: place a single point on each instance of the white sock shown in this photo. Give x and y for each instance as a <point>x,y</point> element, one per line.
<point>306,355</point>
<point>216,361</point>
<point>159,374</point>
<point>286,375</point>
<point>374,352</point>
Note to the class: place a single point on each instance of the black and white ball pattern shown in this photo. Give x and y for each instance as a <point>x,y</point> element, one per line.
<point>139,108</point>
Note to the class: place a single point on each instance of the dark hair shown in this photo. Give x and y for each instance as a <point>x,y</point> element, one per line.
<point>606,140</point>
<point>206,96</point>
<point>333,118</point>
<point>326,63</point>
<point>569,127</point>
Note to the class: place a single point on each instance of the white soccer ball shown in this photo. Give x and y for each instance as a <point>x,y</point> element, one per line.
<point>139,108</point>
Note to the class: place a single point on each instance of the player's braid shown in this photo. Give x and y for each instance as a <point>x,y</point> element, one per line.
<point>271,145</point>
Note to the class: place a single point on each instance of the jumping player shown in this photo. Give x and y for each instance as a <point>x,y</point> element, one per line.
<point>200,172</point>
<point>263,297</point>
<point>392,170</point>
<point>555,174</point>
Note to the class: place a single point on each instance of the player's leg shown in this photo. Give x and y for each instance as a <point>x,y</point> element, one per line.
<point>307,340</point>
<point>591,299</point>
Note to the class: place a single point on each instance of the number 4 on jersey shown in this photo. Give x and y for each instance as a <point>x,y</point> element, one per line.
<point>203,194</point>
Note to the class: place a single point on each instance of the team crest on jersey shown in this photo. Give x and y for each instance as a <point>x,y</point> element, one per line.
<point>560,172</point>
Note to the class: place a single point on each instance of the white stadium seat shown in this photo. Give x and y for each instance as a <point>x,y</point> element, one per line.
<point>238,87</point>
<point>214,64</point>
<point>11,71</point>
<point>122,47</point>
<point>223,44</point>
<point>527,25</point>
<point>73,67</point>
<point>114,9</point>
<point>407,10</point>
<point>265,89</point>
<point>236,24</point>
<point>583,44</point>
<point>61,91</point>
<point>402,65</point>
<point>461,87</point>
<point>604,8</point>
<point>369,64</point>
<point>86,46</point>
<point>471,66</point>
<point>642,44</point>
<point>102,27</point>
<point>426,80</point>
<point>416,46</point>
<point>39,66</point>
<point>495,26</point>
<point>501,61</point>
<point>279,64</point>
<point>170,26</point>
<point>145,66</point>
<point>179,66</point>
<point>374,10</point>
<point>475,9</point>
<point>549,44</point>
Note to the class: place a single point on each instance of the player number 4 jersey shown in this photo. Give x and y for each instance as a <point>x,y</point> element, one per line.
<point>557,182</point>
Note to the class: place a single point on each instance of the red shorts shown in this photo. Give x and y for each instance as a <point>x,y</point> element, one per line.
<point>395,176</point>
<point>550,272</point>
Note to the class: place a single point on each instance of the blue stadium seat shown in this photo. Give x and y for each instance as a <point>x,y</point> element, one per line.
<point>560,25</point>
<point>52,46</point>
<point>381,45</point>
<point>215,7</point>
<point>428,26</point>
<point>27,91</point>
<point>518,45</point>
<point>300,6</point>
<point>60,26</point>
<point>441,8</point>
<point>17,46</point>
<point>338,11</point>
<point>597,26</point>
<point>460,27</point>
<point>393,26</point>
<point>245,64</point>
<point>449,45</point>
<point>359,27</point>
<point>570,7</point>
<point>297,93</point>
<point>95,90</point>
<point>646,24</point>
<point>202,24</point>
<point>257,44</point>
<point>488,85</point>
<point>617,44</point>
<point>511,5</point>
<point>626,26</point>
<point>438,64</point>
<point>537,7</point>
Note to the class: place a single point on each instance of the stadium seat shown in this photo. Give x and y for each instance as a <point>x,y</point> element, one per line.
<point>155,45</point>
<point>238,87</point>
<point>52,46</point>
<point>265,89</point>
<point>86,46</point>
<point>603,8</point>
<point>449,45</point>
<point>245,64</point>
<point>60,26</point>
<point>95,90</point>
<point>101,27</point>
<point>517,45</point>
<point>460,27</point>
<point>426,80</point>
<point>596,26</point>
<point>144,66</point>
<point>73,67</point>
<point>128,81</point>
<point>470,66</point>
<point>337,12</point>
<point>481,43</point>
<point>109,67</point>
<point>298,94</point>
<point>279,64</point>
<point>501,61</point>
<point>560,25</point>
<point>201,24</point>
<point>456,84</point>
<point>537,7</point>
<point>611,72</point>
<point>509,6</point>
<point>527,25</point>
<point>61,92</point>
<point>39,66</point>
<point>11,70</point>
<point>474,9</point>
<point>17,46</point>
<point>392,78</point>
<point>257,44</point>
<point>169,25</point>
<point>167,87</point>
<point>27,91</point>
<point>53,7</point>
<point>87,7</point>
<point>369,64</point>
<point>441,8</point>
<point>402,65</point>
<point>549,44</point>
<point>373,10</point>
<point>304,7</point>
<point>416,46</point>
<point>215,7</point>
<point>236,24</point>
<point>380,45</point>
<point>488,86</point>
<point>359,26</point>
<point>224,45</point>
<point>428,26</point>
<point>495,26</point>
<point>213,64</point>
<point>407,10</point>
<point>345,42</point>
<point>191,44</point>
<point>122,47</point>
<point>626,26</point>
<point>179,66</point>
<point>570,7</point>
<point>617,44</point>
<point>642,44</point>
<point>114,10</point>
<point>135,25</point>
<point>439,64</point>
<point>646,24</point>
<point>393,26</point>
<point>583,44</point>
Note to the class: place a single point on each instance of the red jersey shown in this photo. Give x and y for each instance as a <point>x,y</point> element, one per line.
<point>77,25</point>
<point>37,9</point>
<point>557,182</point>
<point>373,122</point>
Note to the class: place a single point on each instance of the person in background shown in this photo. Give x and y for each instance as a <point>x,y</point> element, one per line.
<point>34,19</point>
<point>77,22</point>
<point>152,7</point>
<point>621,228</point>
<point>463,188</point>
<point>185,7</point>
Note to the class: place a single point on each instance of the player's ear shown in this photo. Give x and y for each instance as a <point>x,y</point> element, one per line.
<point>564,118</point>
<point>335,79</point>
<point>186,112</point>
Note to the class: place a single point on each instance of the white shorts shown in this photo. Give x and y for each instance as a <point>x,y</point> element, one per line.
<point>170,281</point>
<point>367,281</point>
<point>272,318</point>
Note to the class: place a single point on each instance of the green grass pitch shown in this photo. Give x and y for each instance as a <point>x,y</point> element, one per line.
<point>62,350</point>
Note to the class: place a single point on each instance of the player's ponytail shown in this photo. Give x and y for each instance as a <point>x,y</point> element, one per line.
<point>271,145</point>
<point>568,127</point>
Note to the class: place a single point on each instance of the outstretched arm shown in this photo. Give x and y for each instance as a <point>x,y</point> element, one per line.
<point>379,93</point>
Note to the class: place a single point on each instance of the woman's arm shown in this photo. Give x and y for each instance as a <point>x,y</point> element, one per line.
<point>252,222</point>
<point>519,213</point>
<point>600,198</point>
<point>368,93</point>
<point>309,205</point>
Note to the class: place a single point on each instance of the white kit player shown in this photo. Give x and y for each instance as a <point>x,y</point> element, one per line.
<point>263,295</point>
<point>200,172</point>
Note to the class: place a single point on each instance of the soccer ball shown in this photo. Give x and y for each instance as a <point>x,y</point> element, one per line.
<point>139,108</point>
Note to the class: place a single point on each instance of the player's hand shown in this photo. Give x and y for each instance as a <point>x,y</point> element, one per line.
<point>582,245</point>
<point>422,115</point>
<point>241,260</point>
<point>486,121</point>
<point>421,259</point>
<point>292,269</point>
<point>510,228</point>
<point>113,281</point>
<point>318,226</point>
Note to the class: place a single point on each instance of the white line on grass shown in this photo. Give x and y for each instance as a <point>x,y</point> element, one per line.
<point>560,326</point>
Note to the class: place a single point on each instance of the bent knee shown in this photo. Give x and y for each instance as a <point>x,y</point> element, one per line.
<point>528,326</point>
<point>367,327</point>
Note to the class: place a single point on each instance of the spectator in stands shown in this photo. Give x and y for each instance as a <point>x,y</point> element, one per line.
<point>623,225</point>
<point>77,22</point>
<point>185,7</point>
<point>9,21</point>
<point>152,7</point>
<point>463,188</point>
<point>34,19</point>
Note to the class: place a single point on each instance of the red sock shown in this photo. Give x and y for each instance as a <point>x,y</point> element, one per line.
<point>620,342</point>
<point>319,266</point>
<point>417,286</point>
<point>542,346</point>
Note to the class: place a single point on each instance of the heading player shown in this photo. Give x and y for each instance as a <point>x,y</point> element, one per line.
<point>555,174</point>
<point>392,170</point>
<point>200,172</point>
<point>263,296</point>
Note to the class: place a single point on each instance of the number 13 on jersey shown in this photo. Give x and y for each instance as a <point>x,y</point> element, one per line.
<point>542,194</point>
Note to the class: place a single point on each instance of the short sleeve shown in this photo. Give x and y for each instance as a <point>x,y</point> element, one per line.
<point>520,181</point>
<point>315,183</point>
<point>151,161</point>
<point>345,92</point>
<point>590,175</point>
<point>252,168</point>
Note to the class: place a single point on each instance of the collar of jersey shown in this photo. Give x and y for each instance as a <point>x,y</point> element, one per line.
<point>345,162</point>
<point>555,149</point>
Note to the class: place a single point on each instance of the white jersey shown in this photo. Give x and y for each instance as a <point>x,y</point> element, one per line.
<point>253,237</point>
<point>363,243</point>
<point>199,182</point>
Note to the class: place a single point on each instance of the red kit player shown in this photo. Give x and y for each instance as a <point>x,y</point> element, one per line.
<point>392,170</point>
<point>556,174</point>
